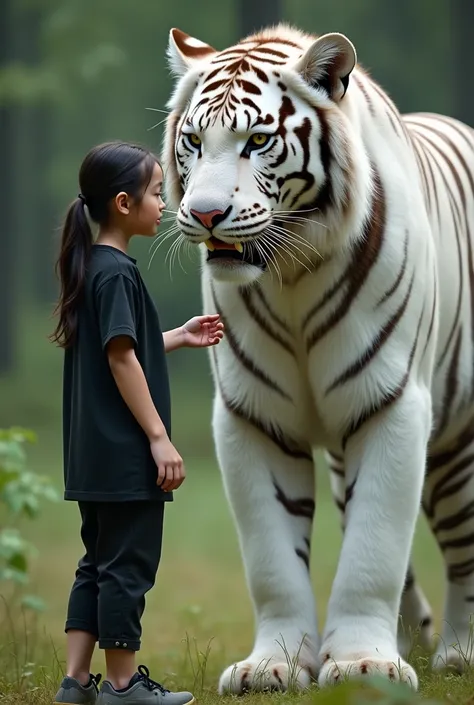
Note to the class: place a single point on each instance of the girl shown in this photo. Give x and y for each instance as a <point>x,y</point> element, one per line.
<point>119,462</point>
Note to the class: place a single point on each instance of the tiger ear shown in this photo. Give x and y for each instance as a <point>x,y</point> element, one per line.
<point>328,64</point>
<point>185,51</point>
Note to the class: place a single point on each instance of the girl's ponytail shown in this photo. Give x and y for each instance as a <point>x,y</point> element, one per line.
<point>76,244</point>
<point>106,170</point>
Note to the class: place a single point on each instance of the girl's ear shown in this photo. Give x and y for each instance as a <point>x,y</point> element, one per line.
<point>122,203</point>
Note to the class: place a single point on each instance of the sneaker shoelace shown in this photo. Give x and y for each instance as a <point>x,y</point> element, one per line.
<point>144,676</point>
<point>96,680</point>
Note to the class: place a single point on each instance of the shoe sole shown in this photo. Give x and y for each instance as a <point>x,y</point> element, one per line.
<point>189,702</point>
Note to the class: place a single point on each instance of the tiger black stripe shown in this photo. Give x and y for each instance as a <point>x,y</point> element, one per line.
<point>366,94</point>
<point>274,316</point>
<point>451,384</point>
<point>244,359</point>
<point>420,158</point>
<point>458,571</point>
<point>349,492</point>
<point>246,296</point>
<point>287,445</point>
<point>432,320</point>
<point>460,542</point>
<point>392,112</point>
<point>419,154</point>
<point>382,337</point>
<point>442,488</point>
<point>409,580</point>
<point>470,179</point>
<point>460,444</point>
<point>303,555</point>
<point>364,259</point>
<point>303,507</point>
<point>388,294</point>
<point>457,219</point>
<point>328,295</point>
<point>387,400</point>
<point>454,521</point>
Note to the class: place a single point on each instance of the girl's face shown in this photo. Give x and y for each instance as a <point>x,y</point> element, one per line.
<point>146,215</point>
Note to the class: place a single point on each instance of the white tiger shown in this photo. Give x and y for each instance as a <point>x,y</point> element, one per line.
<point>337,246</point>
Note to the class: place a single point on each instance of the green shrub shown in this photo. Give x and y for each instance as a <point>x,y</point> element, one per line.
<point>21,493</point>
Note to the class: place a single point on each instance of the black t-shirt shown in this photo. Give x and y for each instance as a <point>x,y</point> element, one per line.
<point>107,454</point>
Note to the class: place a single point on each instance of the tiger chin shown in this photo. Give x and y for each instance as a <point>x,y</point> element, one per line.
<point>337,246</point>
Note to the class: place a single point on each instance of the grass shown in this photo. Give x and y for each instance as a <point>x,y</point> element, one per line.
<point>198,617</point>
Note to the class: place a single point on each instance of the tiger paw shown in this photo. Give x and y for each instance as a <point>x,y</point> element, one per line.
<point>454,658</point>
<point>264,674</point>
<point>396,669</point>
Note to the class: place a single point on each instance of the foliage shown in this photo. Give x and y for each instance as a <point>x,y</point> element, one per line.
<point>21,492</point>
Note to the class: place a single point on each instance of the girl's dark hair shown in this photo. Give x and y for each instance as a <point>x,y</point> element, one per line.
<point>106,170</point>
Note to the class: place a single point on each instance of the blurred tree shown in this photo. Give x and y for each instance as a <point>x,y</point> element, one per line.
<point>7,200</point>
<point>37,137</point>
<point>462,22</point>
<point>254,15</point>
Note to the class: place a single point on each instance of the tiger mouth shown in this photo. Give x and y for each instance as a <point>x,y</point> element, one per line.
<point>220,250</point>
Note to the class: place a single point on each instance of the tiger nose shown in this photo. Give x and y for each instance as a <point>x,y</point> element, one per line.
<point>210,218</point>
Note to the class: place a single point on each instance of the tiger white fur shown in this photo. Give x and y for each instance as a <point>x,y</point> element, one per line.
<point>339,255</point>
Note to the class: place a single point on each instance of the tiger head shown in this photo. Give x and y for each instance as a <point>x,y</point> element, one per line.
<point>261,156</point>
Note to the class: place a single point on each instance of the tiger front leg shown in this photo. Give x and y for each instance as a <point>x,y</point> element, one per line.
<point>385,468</point>
<point>270,490</point>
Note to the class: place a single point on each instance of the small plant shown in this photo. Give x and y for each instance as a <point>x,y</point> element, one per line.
<point>21,492</point>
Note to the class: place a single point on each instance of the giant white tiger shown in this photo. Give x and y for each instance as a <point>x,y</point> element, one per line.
<point>336,239</point>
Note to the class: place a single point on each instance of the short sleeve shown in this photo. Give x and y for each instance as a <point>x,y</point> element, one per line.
<point>118,308</point>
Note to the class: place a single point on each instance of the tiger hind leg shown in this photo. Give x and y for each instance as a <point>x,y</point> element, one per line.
<point>415,624</point>
<point>449,506</point>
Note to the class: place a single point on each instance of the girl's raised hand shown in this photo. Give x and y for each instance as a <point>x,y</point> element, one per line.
<point>203,331</point>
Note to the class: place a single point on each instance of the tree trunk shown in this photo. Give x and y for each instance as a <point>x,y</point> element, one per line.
<point>462,22</point>
<point>37,131</point>
<point>7,203</point>
<point>255,14</point>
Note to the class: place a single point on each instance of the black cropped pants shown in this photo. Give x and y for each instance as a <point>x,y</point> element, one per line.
<point>123,549</point>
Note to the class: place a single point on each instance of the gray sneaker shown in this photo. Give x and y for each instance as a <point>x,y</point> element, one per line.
<point>71,691</point>
<point>142,690</point>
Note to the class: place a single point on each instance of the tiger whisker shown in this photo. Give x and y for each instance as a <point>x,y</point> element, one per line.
<point>159,243</point>
<point>298,210</point>
<point>173,253</point>
<point>288,239</point>
<point>267,254</point>
<point>270,240</point>
<point>158,110</point>
<point>299,239</point>
<point>298,219</point>
<point>159,239</point>
<point>279,241</point>
<point>157,124</point>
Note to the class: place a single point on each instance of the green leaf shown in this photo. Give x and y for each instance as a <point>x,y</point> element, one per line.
<point>14,576</point>
<point>21,492</point>
<point>19,562</point>
<point>33,602</point>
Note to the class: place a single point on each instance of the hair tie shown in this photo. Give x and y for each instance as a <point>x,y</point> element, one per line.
<point>81,197</point>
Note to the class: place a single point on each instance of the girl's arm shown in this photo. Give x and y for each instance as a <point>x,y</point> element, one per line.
<point>173,339</point>
<point>133,387</point>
